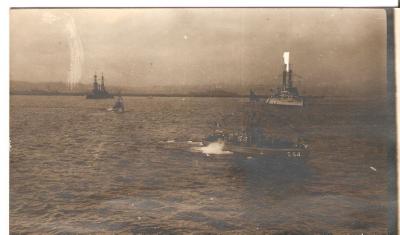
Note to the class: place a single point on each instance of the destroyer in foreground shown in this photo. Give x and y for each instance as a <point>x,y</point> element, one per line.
<point>287,94</point>
<point>253,141</point>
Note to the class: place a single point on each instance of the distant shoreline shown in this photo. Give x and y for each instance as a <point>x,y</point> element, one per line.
<point>129,94</point>
<point>142,95</point>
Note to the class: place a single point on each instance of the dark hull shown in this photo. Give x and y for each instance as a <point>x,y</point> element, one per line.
<point>292,152</point>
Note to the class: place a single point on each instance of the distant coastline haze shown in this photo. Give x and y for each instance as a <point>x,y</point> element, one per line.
<point>332,50</point>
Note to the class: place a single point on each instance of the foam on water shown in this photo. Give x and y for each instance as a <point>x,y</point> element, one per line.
<point>216,148</point>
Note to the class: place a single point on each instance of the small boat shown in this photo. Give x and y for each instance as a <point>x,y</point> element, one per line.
<point>118,106</point>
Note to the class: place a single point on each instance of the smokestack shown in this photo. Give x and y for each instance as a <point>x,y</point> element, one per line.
<point>286,60</point>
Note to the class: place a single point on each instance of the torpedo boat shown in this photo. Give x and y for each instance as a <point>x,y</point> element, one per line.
<point>252,141</point>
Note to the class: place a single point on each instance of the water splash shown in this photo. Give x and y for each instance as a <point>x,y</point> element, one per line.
<point>76,53</point>
<point>216,148</point>
<point>74,42</point>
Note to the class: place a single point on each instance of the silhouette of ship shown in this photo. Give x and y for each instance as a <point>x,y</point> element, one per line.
<point>253,97</point>
<point>99,90</point>
<point>252,140</point>
<point>287,94</point>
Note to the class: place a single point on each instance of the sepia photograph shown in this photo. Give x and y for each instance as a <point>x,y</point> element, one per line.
<point>202,121</point>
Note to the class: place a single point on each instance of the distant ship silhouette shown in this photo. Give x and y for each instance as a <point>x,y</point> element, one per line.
<point>99,90</point>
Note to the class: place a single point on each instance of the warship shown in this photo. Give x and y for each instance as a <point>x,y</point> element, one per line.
<point>99,90</point>
<point>253,141</point>
<point>287,95</point>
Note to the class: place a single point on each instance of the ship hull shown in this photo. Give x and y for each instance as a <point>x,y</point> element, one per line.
<point>292,152</point>
<point>257,151</point>
<point>285,101</point>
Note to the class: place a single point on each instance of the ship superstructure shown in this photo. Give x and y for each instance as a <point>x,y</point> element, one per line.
<point>99,90</point>
<point>287,94</point>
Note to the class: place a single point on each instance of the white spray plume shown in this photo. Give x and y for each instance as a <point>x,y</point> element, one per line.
<point>76,53</point>
<point>216,148</point>
<point>286,60</point>
<point>75,45</point>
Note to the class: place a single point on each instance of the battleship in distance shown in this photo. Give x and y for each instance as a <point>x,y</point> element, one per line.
<point>287,95</point>
<point>99,90</point>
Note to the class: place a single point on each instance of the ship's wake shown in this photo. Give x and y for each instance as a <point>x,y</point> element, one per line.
<point>216,148</point>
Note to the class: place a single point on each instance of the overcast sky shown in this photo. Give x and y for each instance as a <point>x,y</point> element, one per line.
<point>341,48</point>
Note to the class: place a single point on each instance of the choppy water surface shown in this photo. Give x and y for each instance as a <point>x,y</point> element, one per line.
<point>77,168</point>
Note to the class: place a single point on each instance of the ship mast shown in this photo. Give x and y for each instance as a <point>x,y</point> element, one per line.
<point>102,88</point>
<point>95,84</point>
